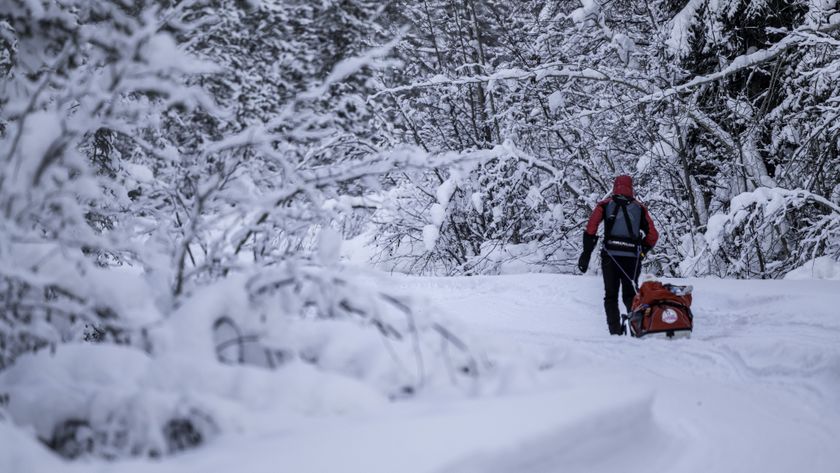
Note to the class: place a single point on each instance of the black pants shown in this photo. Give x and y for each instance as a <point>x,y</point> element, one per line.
<point>616,271</point>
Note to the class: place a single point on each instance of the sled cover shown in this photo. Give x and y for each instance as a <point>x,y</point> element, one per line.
<point>662,309</point>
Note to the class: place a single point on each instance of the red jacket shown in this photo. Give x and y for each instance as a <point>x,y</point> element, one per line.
<point>623,186</point>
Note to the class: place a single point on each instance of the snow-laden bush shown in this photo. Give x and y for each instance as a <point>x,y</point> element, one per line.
<point>76,68</point>
<point>769,232</point>
<point>477,219</point>
<point>95,400</point>
<point>345,344</point>
<point>151,201</point>
<point>334,319</point>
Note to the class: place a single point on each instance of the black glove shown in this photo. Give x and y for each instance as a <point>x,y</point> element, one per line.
<point>645,250</point>
<point>589,242</point>
<point>583,262</point>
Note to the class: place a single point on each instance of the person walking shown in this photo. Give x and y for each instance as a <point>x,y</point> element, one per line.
<point>629,234</point>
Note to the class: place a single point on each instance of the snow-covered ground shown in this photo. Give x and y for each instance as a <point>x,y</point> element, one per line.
<point>756,389</point>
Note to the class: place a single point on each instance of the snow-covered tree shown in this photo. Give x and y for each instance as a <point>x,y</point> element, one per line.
<point>700,101</point>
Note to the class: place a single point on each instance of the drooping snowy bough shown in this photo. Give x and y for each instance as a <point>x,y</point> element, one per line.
<point>168,264</point>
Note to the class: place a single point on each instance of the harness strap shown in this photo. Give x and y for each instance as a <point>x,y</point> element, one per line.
<point>629,224</point>
<point>609,223</point>
<point>635,270</point>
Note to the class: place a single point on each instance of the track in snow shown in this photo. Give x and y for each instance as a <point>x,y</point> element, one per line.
<point>757,388</point>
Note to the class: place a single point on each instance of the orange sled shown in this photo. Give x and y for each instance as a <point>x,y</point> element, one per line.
<point>661,310</point>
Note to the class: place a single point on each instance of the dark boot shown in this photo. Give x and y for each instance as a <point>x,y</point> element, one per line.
<point>613,316</point>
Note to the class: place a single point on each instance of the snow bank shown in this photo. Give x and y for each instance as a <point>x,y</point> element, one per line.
<point>121,402</point>
<point>579,442</point>
<point>824,267</point>
<point>21,452</point>
<point>97,390</point>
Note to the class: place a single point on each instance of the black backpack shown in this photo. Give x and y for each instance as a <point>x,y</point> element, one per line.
<point>622,226</point>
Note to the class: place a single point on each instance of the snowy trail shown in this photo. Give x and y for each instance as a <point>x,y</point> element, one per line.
<point>746,331</point>
<point>757,388</point>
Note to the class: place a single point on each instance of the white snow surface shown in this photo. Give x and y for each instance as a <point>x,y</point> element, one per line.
<point>756,389</point>
<point>824,267</point>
